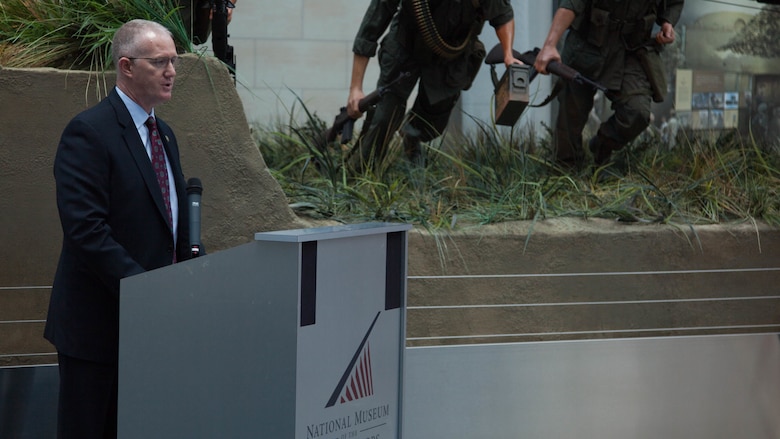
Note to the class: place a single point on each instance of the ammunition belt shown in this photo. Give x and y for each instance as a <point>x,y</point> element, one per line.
<point>421,11</point>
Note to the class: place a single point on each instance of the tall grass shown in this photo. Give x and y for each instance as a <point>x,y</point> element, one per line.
<point>495,177</point>
<point>75,34</point>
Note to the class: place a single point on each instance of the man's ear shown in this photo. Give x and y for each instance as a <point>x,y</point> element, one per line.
<point>125,66</point>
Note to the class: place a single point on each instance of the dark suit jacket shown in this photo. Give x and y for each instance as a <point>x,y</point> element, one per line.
<point>114,225</point>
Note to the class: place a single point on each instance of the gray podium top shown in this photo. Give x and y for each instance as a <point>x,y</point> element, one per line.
<point>331,232</point>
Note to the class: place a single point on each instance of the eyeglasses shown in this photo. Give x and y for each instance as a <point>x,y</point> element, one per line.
<point>159,63</point>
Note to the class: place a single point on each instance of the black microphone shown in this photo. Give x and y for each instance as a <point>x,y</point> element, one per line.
<point>194,191</point>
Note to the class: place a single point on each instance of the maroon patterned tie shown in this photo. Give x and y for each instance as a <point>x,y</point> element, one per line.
<point>158,163</point>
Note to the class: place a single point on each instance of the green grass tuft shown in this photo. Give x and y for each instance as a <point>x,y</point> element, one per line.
<point>75,34</point>
<point>495,177</point>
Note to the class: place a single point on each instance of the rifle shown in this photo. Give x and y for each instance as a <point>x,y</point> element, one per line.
<point>344,124</point>
<point>219,35</point>
<point>562,70</point>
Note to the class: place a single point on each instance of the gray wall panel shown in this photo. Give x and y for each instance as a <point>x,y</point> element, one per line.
<point>673,388</point>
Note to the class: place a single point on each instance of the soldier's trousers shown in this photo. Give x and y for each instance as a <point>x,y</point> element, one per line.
<point>631,106</point>
<point>425,120</point>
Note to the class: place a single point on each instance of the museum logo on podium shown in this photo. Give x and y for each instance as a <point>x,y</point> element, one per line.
<point>357,381</point>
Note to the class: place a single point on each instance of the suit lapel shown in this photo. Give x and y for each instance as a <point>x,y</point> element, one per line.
<point>138,152</point>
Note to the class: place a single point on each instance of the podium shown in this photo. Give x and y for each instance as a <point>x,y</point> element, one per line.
<point>298,334</point>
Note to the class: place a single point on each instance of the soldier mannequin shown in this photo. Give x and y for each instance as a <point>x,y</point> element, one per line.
<point>197,14</point>
<point>443,70</point>
<point>610,42</point>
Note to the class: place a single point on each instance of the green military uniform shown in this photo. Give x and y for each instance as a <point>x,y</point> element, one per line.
<point>611,42</point>
<point>441,76</point>
<point>195,15</point>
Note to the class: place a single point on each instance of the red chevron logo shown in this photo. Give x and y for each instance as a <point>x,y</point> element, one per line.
<point>358,379</point>
<point>361,382</point>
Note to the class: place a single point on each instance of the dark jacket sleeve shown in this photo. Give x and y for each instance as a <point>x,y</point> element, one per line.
<point>577,6</point>
<point>671,12</point>
<point>375,22</point>
<point>498,12</point>
<point>82,171</point>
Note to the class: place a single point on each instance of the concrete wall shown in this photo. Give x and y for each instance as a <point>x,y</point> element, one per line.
<point>574,279</point>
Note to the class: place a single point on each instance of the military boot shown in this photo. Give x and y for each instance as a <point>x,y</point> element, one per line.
<point>413,150</point>
<point>600,148</point>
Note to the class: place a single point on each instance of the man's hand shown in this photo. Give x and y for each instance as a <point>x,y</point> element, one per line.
<point>359,65</point>
<point>506,37</point>
<point>545,56</point>
<point>229,12</point>
<point>509,60</point>
<point>562,20</point>
<point>353,102</point>
<point>666,34</point>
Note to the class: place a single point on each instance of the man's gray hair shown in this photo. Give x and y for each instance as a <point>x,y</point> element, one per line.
<point>125,42</point>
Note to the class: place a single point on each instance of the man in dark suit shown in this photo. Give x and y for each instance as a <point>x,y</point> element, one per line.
<point>119,217</point>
